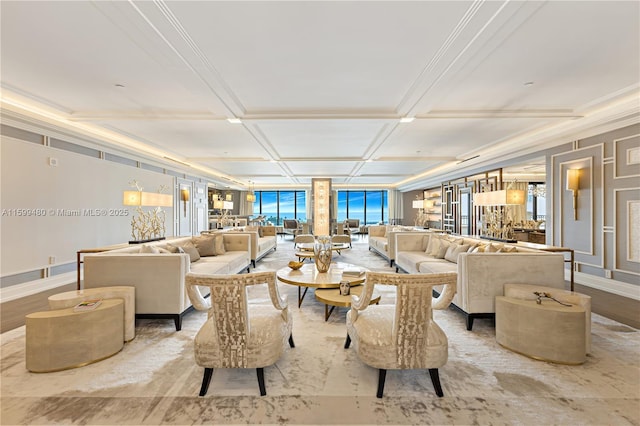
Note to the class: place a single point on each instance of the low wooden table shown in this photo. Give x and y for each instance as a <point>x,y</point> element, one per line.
<point>331,297</point>
<point>308,276</point>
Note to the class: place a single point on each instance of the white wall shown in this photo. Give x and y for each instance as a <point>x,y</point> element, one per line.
<point>77,182</point>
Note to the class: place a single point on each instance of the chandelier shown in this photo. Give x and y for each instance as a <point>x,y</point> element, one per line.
<point>251,195</point>
<point>538,190</point>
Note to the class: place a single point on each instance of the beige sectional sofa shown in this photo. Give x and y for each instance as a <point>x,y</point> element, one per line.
<point>264,239</point>
<point>382,239</point>
<point>158,274</point>
<point>483,268</point>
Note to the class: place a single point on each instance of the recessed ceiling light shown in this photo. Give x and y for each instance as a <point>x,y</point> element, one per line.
<point>528,83</point>
<point>234,120</point>
<point>407,119</point>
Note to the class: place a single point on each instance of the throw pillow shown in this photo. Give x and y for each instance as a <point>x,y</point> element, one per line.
<point>454,250</point>
<point>146,248</point>
<point>172,248</point>
<point>507,249</point>
<point>442,249</point>
<point>260,232</point>
<point>191,250</point>
<point>219,245</point>
<point>492,248</point>
<point>434,245</point>
<point>480,248</point>
<point>205,244</point>
<point>163,250</point>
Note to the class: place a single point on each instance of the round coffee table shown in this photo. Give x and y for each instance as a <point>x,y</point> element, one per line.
<point>308,276</point>
<point>331,297</point>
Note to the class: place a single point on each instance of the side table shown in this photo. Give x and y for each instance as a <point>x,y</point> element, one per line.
<point>331,297</point>
<point>62,339</point>
<point>548,331</point>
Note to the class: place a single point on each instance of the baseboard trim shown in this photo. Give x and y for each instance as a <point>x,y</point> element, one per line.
<point>33,287</point>
<point>605,284</point>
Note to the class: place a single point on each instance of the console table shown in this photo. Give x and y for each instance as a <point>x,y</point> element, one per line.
<point>554,249</point>
<point>79,254</point>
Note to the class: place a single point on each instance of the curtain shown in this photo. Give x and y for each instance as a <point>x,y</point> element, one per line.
<point>395,207</point>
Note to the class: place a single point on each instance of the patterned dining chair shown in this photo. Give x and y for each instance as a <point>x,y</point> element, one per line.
<point>404,335</point>
<point>238,333</point>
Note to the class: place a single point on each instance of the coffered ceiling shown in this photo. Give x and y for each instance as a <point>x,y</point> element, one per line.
<point>320,87</point>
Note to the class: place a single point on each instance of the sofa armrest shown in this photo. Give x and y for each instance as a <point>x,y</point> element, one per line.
<point>158,278</point>
<point>392,239</point>
<point>377,230</point>
<point>482,276</point>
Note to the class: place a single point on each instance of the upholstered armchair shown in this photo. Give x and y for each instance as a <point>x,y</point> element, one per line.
<point>291,226</point>
<point>352,226</point>
<point>303,239</point>
<point>404,335</point>
<point>238,333</point>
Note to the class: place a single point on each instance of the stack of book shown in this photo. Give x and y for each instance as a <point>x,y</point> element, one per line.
<point>353,272</point>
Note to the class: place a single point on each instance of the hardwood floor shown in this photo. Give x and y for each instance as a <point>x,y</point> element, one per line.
<point>618,308</point>
<point>12,313</point>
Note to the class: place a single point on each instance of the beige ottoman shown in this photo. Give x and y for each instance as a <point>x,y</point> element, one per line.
<point>525,291</point>
<point>548,331</point>
<point>70,299</point>
<point>62,339</point>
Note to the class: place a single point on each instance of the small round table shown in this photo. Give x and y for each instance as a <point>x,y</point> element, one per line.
<point>331,297</point>
<point>308,276</point>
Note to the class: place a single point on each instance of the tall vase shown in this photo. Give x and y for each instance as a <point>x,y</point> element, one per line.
<point>322,253</point>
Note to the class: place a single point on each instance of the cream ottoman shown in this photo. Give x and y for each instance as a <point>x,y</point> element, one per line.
<point>70,299</point>
<point>525,291</point>
<point>62,339</point>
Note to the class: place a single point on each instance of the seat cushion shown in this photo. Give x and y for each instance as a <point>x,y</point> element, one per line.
<point>267,336</point>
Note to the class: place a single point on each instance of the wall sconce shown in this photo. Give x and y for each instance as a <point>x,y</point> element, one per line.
<point>228,196</point>
<point>573,185</point>
<point>184,196</point>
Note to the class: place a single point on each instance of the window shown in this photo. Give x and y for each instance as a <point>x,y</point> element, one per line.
<point>368,206</point>
<point>536,201</point>
<point>279,205</point>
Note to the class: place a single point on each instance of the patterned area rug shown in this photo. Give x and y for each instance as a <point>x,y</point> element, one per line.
<point>154,379</point>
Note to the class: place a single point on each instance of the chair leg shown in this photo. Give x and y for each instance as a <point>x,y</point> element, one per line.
<point>260,372</point>
<point>291,344</point>
<point>205,381</point>
<point>347,342</point>
<point>435,379</point>
<point>381,376</point>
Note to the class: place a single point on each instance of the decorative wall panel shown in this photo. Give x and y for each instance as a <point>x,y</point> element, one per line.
<point>627,157</point>
<point>627,231</point>
<point>585,233</point>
